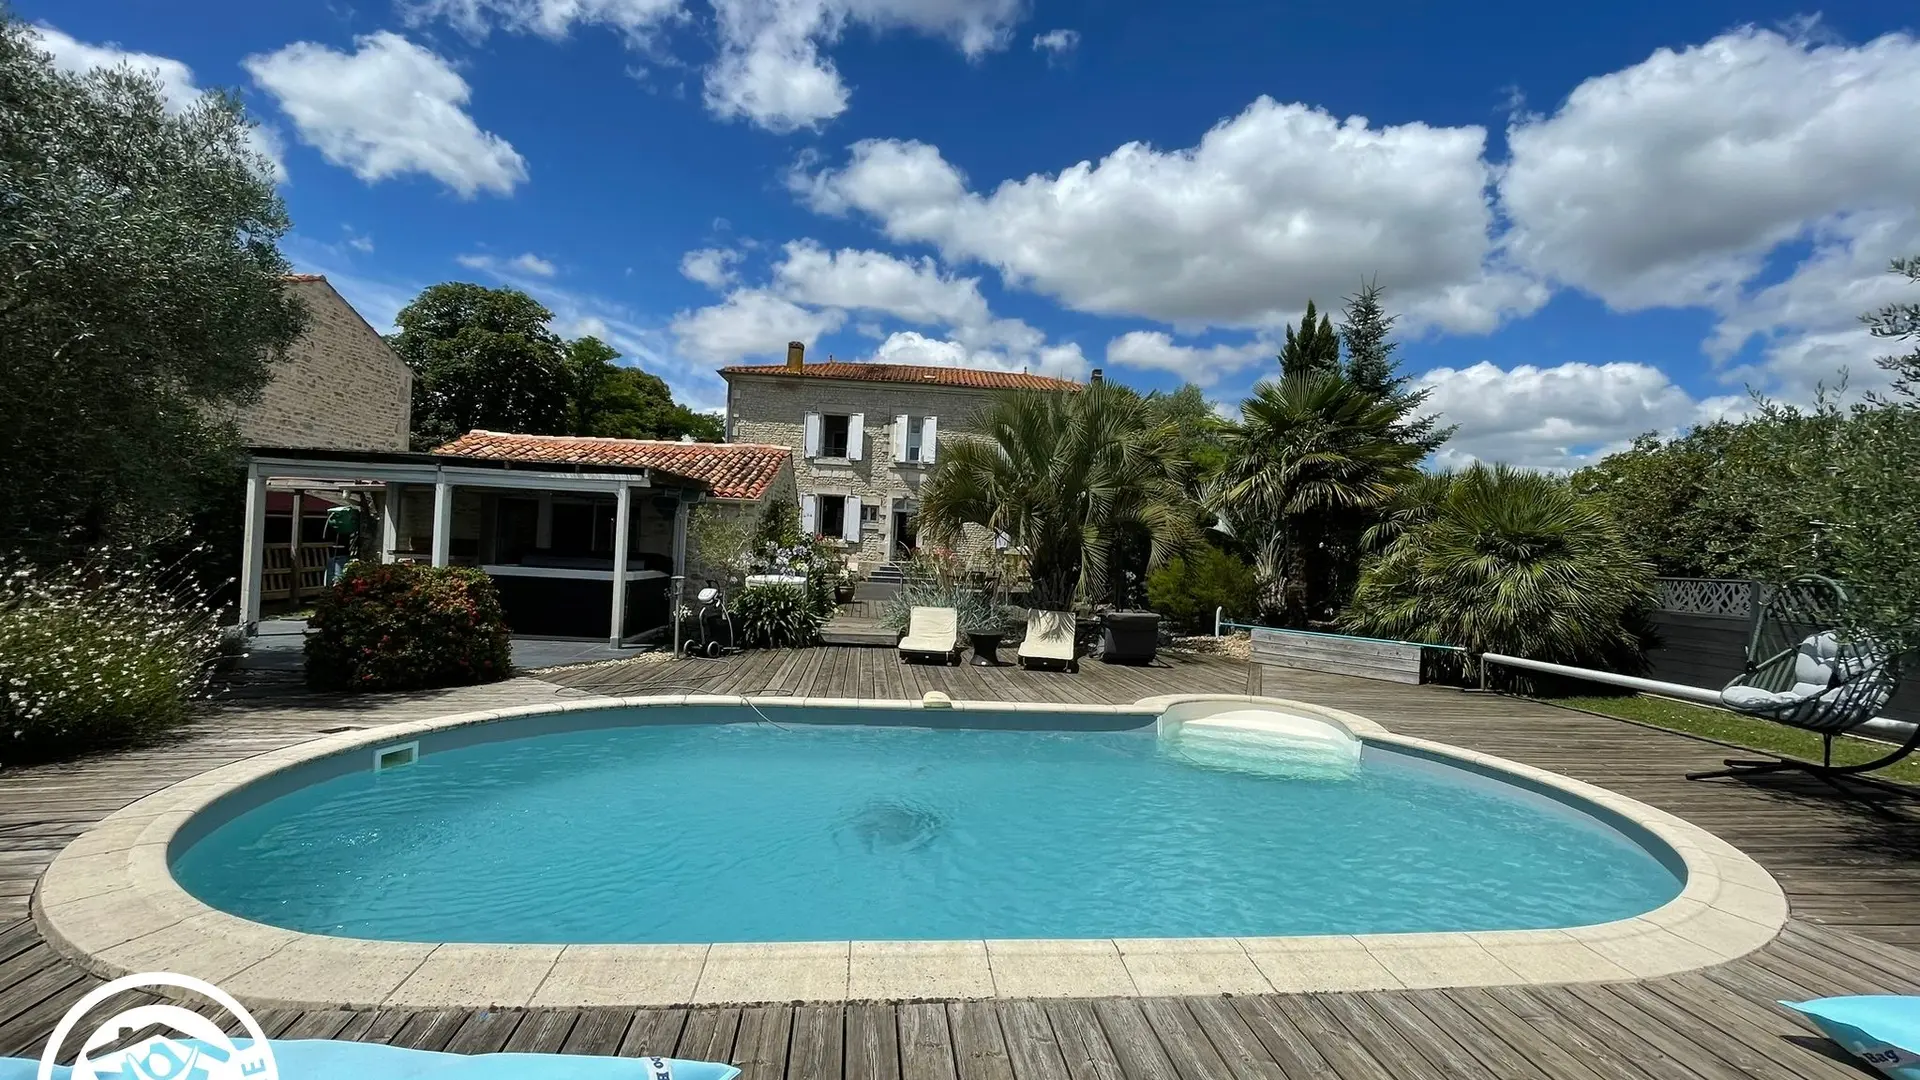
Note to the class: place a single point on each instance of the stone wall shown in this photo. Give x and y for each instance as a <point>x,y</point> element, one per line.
<point>773,409</point>
<point>339,387</point>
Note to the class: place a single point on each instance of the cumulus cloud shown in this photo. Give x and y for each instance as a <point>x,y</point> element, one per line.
<point>1278,204</point>
<point>1056,42</point>
<point>771,66</point>
<point>1668,182</point>
<point>177,85</point>
<point>1153,350</point>
<point>534,264</point>
<point>914,290</point>
<point>750,322</point>
<point>1558,417</point>
<point>911,347</point>
<point>712,267</point>
<point>389,108</point>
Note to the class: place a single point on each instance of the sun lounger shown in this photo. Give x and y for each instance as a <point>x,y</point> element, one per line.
<point>1049,640</point>
<point>932,632</point>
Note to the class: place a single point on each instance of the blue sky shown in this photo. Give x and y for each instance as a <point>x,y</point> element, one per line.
<point>1595,218</point>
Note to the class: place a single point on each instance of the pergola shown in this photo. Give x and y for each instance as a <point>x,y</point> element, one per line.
<point>394,473</point>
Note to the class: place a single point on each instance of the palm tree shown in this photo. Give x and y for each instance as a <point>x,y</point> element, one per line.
<point>1066,476</point>
<point>1500,560</point>
<point>1313,456</point>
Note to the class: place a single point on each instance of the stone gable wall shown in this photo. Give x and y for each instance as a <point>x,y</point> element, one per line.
<point>339,388</point>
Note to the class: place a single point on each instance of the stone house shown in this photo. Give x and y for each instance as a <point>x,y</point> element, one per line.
<point>339,387</point>
<point>864,435</point>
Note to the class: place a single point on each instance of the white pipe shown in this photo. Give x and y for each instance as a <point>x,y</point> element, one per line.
<point>1879,726</point>
<point>1218,614</point>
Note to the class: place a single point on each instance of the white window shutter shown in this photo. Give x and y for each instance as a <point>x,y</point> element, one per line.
<point>927,436</point>
<point>900,438</point>
<point>812,435</point>
<point>856,435</point>
<point>850,521</point>
<point>807,506</point>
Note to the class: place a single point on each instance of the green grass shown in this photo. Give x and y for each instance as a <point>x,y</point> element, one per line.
<point>1761,735</point>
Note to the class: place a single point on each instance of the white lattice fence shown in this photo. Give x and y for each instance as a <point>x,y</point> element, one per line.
<point>1733,598</point>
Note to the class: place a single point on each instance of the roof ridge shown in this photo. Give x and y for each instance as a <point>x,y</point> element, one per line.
<point>615,439</point>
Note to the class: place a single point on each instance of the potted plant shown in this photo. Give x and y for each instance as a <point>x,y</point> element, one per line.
<point>985,623</point>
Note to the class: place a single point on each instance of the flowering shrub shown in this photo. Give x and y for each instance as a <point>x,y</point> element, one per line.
<point>98,653</point>
<point>823,569</point>
<point>776,617</point>
<point>402,627</point>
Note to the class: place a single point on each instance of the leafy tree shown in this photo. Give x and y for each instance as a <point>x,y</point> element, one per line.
<point>614,401</point>
<point>1502,560</point>
<point>1189,588</point>
<point>1367,332</point>
<point>481,358</point>
<point>1065,476</point>
<point>1314,348</point>
<point>1314,457</point>
<point>141,297</point>
<point>1900,322</point>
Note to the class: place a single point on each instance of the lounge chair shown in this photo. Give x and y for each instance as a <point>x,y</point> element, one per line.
<point>1130,637</point>
<point>1826,682</point>
<point>932,632</point>
<point>1050,639</point>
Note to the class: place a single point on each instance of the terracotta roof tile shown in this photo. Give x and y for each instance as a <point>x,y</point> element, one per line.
<point>732,470</point>
<point>971,378</point>
<point>303,277</point>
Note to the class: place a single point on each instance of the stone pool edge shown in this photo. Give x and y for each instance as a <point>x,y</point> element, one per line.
<point>109,902</point>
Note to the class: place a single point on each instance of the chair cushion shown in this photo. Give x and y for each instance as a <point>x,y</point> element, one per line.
<point>1882,1030</point>
<point>1817,660</point>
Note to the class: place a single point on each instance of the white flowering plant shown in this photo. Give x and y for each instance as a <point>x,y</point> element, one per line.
<point>99,652</point>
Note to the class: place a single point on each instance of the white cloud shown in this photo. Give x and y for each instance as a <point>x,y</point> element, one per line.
<point>1557,417</point>
<point>360,242</point>
<point>1276,205</point>
<point>911,347</point>
<point>749,323</point>
<point>712,267</point>
<point>389,108</point>
<point>771,67</point>
<point>913,290</point>
<point>534,264</point>
<point>1154,350</point>
<point>177,86</point>
<point>1056,42</point>
<point>1667,183</point>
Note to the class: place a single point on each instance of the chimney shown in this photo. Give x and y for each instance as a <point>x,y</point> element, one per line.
<point>1097,377</point>
<point>796,355</point>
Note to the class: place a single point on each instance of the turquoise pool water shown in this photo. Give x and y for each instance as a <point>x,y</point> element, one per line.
<point>693,832</point>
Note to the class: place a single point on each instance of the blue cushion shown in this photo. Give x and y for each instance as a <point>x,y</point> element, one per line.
<point>319,1059</point>
<point>1882,1030</point>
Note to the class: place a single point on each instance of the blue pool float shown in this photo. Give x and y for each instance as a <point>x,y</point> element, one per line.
<point>1882,1030</point>
<point>322,1059</point>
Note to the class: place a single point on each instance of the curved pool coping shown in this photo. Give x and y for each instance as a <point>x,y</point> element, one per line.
<point>109,902</point>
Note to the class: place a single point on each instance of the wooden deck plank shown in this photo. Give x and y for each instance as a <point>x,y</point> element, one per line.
<point>760,1048</point>
<point>873,1043</point>
<point>543,1032</point>
<point>602,1033</point>
<point>485,1032</point>
<point>817,1049</point>
<point>979,1049</point>
<point>926,1042</point>
<point>1085,1052</point>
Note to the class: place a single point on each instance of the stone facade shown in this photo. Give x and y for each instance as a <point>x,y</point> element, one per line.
<point>338,388</point>
<point>774,409</point>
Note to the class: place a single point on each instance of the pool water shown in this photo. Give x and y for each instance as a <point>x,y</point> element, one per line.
<point>696,832</point>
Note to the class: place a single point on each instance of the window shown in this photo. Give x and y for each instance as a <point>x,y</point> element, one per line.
<point>832,519</point>
<point>834,435</point>
<point>869,512</point>
<point>916,433</point>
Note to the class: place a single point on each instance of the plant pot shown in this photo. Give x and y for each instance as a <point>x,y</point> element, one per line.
<point>843,594</point>
<point>986,649</point>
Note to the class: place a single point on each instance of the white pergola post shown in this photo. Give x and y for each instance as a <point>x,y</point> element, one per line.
<point>622,517</point>
<point>442,522</point>
<point>680,513</point>
<point>293,548</point>
<point>253,549</point>
<point>390,511</point>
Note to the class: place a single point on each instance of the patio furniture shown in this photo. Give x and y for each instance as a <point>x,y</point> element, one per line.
<point>986,649</point>
<point>1130,637</point>
<point>932,632</point>
<point>1806,670</point>
<point>1049,640</point>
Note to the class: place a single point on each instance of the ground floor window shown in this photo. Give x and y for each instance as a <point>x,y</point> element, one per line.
<point>832,519</point>
<point>869,512</point>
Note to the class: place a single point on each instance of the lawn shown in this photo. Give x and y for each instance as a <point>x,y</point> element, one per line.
<point>1761,735</point>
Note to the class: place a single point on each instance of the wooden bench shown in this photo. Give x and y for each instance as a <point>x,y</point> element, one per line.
<point>1391,661</point>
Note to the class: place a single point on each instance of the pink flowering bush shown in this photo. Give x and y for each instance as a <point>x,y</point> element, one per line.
<point>397,626</point>
<point>98,653</point>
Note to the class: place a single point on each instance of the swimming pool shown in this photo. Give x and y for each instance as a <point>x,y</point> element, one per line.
<point>686,823</point>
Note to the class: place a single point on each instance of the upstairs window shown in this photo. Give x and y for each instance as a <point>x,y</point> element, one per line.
<point>833,436</point>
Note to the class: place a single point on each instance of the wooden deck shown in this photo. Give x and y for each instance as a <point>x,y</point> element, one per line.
<point>1849,861</point>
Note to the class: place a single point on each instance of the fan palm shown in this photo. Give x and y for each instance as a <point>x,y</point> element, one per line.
<point>1065,476</point>
<point>1500,560</point>
<point>1312,457</point>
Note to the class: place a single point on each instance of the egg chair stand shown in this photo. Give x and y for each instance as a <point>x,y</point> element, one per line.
<point>1803,671</point>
